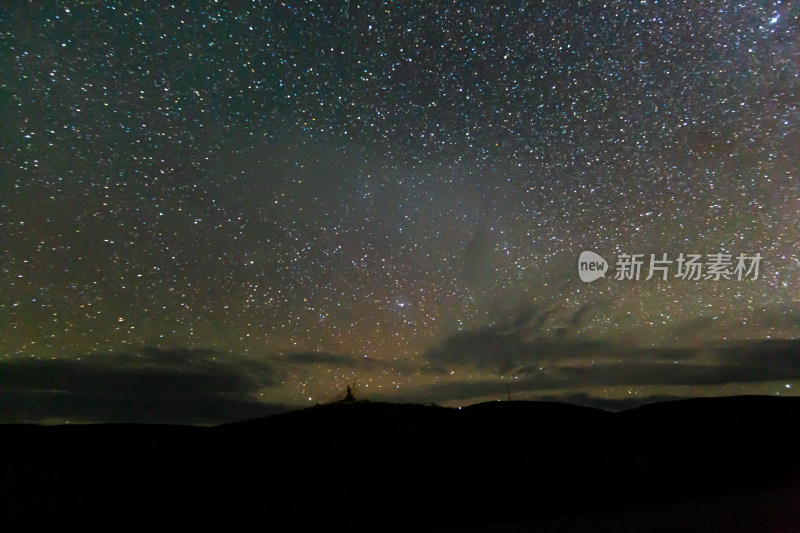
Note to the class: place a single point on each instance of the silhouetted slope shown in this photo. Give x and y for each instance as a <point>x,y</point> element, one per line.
<point>734,410</point>
<point>380,466</point>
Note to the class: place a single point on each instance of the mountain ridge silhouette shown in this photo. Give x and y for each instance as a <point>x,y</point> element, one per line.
<point>355,463</point>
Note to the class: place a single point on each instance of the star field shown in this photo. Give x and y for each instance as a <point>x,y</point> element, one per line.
<point>369,181</point>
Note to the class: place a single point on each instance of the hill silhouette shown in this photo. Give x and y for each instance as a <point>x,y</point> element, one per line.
<point>729,464</point>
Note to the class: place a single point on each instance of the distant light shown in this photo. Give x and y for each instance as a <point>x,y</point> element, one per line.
<point>788,386</point>
<point>774,20</point>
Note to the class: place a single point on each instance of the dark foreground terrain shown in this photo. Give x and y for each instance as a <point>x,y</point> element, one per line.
<point>724,464</point>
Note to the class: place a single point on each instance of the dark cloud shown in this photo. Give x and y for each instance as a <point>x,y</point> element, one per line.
<point>634,374</point>
<point>507,351</point>
<point>782,319</point>
<point>777,367</point>
<point>481,349</point>
<point>541,319</point>
<point>779,354</point>
<point>568,364</point>
<point>577,319</point>
<point>515,342</point>
<point>149,385</point>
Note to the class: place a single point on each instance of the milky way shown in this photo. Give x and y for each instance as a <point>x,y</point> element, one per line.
<point>396,194</point>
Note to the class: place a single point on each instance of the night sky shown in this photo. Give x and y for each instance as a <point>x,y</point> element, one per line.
<point>211,211</point>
